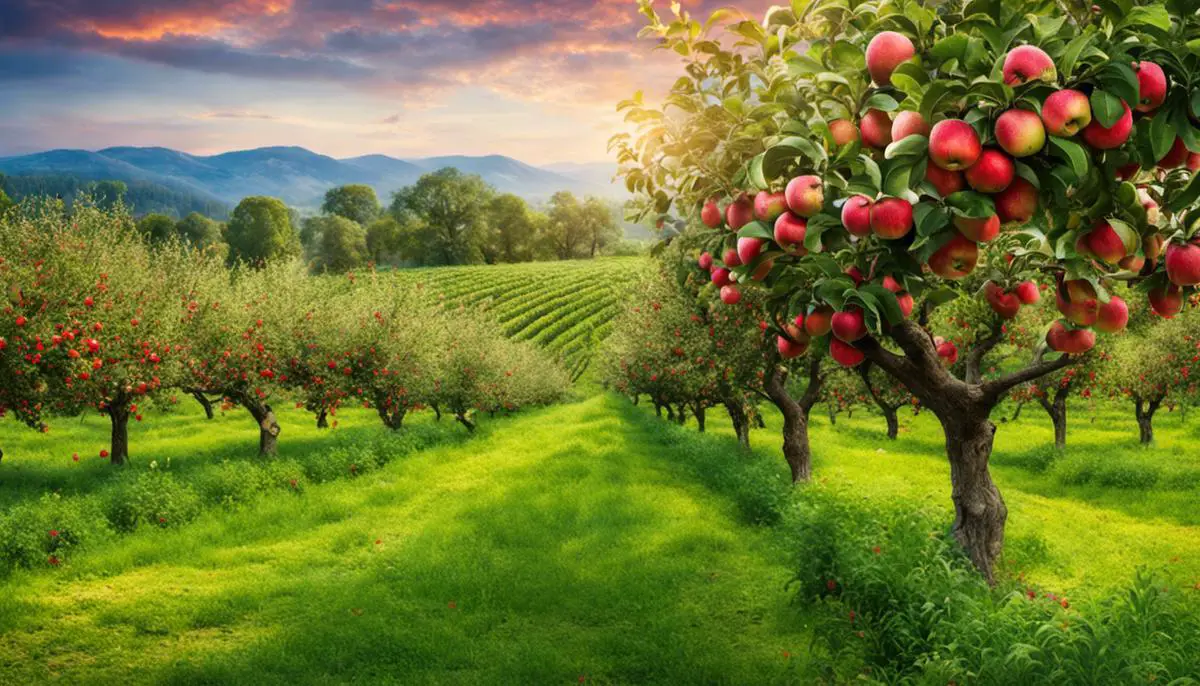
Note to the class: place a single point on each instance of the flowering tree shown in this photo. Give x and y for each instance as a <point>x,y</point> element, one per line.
<point>867,154</point>
<point>1152,369</point>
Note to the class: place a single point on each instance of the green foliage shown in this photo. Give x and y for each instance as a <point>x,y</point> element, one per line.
<point>152,497</point>
<point>449,209</point>
<point>579,229</point>
<point>199,230</point>
<point>356,202</point>
<point>49,530</point>
<point>261,230</point>
<point>512,230</point>
<point>156,228</point>
<point>141,197</point>
<point>342,246</point>
<point>384,240</point>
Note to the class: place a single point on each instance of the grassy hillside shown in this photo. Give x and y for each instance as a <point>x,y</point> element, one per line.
<point>567,307</point>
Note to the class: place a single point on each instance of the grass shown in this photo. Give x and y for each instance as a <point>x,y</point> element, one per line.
<point>588,540</point>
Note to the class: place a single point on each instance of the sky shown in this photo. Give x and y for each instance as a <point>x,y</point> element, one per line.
<point>533,79</point>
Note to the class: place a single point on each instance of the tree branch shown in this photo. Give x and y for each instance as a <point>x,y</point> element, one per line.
<point>993,390</point>
<point>982,347</point>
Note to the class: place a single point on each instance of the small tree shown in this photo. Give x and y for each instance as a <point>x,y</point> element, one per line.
<point>198,230</point>
<point>356,202</point>
<point>342,246</point>
<point>261,230</point>
<point>157,228</point>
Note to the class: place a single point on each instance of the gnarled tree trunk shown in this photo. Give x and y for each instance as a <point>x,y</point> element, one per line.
<point>888,410</point>
<point>1056,407</point>
<point>1145,409</point>
<point>740,420</point>
<point>462,418</point>
<point>698,412</point>
<point>118,414</point>
<point>204,402</point>
<point>796,448</point>
<point>268,427</point>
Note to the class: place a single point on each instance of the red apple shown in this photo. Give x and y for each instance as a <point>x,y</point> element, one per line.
<point>760,272</point>
<point>1101,138</point>
<point>720,277</point>
<point>876,127</point>
<point>843,132</point>
<point>905,301</point>
<point>1149,204</point>
<point>1018,202</point>
<point>1066,113</point>
<point>954,145</point>
<point>909,123</point>
<point>1027,292</point>
<point>1193,161</point>
<point>992,172</point>
<point>1166,301</point>
<point>1176,156</point>
<point>805,195</point>
<point>705,261</point>
<point>793,345</point>
<point>1070,341</point>
<point>849,325</point>
<point>710,214</point>
<point>1126,172</point>
<point>845,354</point>
<point>789,233</point>
<point>1078,302</point>
<point>1152,86</point>
<point>1113,316</point>
<point>748,249</point>
<point>1104,243</point>
<point>956,259</point>
<point>820,321</point>
<point>891,218</point>
<point>945,182</point>
<point>1020,132</point>
<point>1028,63</point>
<point>856,215</point>
<point>1005,304</point>
<point>978,230</point>
<point>739,213</point>
<point>731,259</point>
<point>885,52</point>
<point>1183,264</point>
<point>730,295</point>
<point>948,352</point>
<point>855,274</point>
<point>889,282</point>
<point>768,206</point>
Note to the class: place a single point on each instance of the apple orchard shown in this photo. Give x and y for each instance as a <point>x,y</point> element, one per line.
<point>848,170</point>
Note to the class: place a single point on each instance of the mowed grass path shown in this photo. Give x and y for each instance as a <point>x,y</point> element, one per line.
<point>562,545</point>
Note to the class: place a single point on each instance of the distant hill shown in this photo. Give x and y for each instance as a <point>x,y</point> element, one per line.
<point>142,197</point>
<point>298,176</point>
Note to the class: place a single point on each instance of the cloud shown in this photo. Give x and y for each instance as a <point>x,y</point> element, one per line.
<point>238,115</point>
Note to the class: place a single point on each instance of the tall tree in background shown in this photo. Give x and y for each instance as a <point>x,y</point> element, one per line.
<point>5,202</point>
<point>566,232</point>
<point>343,244</point>
<point>108,193</point>
<point>384,237</point>
<point>600,224</point>
<point>356,202</point>
<point>261,229</point>
<point>512,228</point>
<point>199,230</point>
<point>157,228</point>
<point>451,208</point>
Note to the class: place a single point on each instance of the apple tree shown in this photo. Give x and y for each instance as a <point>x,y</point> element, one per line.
<point>865,155</point>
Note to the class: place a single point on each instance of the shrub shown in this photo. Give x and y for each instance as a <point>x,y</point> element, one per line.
<point>48,531</point>
<point>152,497</point>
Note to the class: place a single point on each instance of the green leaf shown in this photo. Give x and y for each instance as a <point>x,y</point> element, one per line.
<point>941,296</point>
<point>914,145</point>
<point>952,47</point>
<point>880,101</point>
<point>1155,16</point>
<point>871,167</point>
<point>1106,108</point>
<point>1162,137</point>
<point>895,181</point>
<point>1074,49</point>
<point>817,226</point>
<point>971,205</point>
<point>929,218</point>
<point>1186,196</point>
<point>1129,236</point>
<point>1118,78</point>
<point>1071,152</point>
<point>757,229</point>
<point>755,172</point>
<point>1026,172</point>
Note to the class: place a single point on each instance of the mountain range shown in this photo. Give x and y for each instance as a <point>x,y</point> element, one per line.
<point>299,176</point>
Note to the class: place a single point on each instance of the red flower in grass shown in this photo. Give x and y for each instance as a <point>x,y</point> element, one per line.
<point>877,550</point>
<point>75,457</point>
<point>104,453</point>
<point>378,541</point>
<point>54,561</point>
<point>831,584</point>
<point>162,520</point>
<point>54,533</point>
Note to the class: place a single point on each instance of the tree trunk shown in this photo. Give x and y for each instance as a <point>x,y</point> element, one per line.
<point>118,451</point>
<point>268,427</point>
<point>462,419</point>
<point>1057,409</point>
<point>657,409</point>
<point>893,422</point>
<point>393,420</point>
<point>698,411</point>
<point>832,413</point>
<point>437,411</point>
<point>205,403</point>
<point>796,448</point>
<point>323,419</point>
<point>670,413</point>
<point>741,423</point>
<point>681,414</point>
<point>758,421</point>
<point>979,510</point>
<point>1145,417</point>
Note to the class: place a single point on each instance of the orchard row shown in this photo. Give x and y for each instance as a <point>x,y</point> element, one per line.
<point>97,319</point>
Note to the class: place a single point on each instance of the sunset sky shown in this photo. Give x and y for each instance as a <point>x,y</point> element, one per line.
<point>534,79</point>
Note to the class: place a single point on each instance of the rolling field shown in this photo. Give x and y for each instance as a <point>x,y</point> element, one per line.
<point>566,307</point>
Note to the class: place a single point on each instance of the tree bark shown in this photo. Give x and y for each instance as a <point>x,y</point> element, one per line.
<point>893,422</point>
<point>205,403</point>
<point>268,427</point>
<point>657,409</point>
<point>796,448</point>
<point>681,414</point>
<point>1145,410</point>
<point>462,419</point>
<point>979,510</point>
<point>323,419</point>
<point>1057,409</point>
<point>393,420</point>
<point>437,411</point>
<point>888,410</point>
<point>698,412</point>
<point>741,422</point>
<point>118,414</point>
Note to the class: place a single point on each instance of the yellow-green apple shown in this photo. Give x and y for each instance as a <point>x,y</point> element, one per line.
<point>739,213</point>
<point>748,249</point>
<point>1028,63</point>
<point>1005,304</point>
<point>1027,292</point>
<point>1066,113</point>
<point>1077,301</point>
<point>876,127</point>
<point>945,182</point>
<point>843,132</point>
<point>1152,246</point>
<point>909,123</point>
<point>1105,243</point>
<point>845,354</point>
<point>1018,202</point>
<point>956,259</point>
<point>720,276</point>
<point>1070,341</point>
<point>1166,301</point>
<point>768,206</point>
<point>805,195</point>
<point>992,172</point>
<point>891,218</point>
<point>1176,156</point>
<point>884,53</point>
<point>730,295</point>
<point>1183,264</point>
<point>820,321</point>
<point>1101,138</point>
<point>849,325</point>
<point>789,233</point>
<point>856,215</point>
<point>953,145</point>
<point>980,230</point>
<point>705,261</point>
<point>1152,86</point>
<point>1113,315</point>
<point>710,214</point>
<point>1020,132</point>
<point>948,352</point>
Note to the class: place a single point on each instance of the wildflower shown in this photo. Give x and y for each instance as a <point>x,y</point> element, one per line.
<point>54,533</point>
<point>876,550</point>
<point>831,584</point>
<point>54,561</point>
<point>104,453</point>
